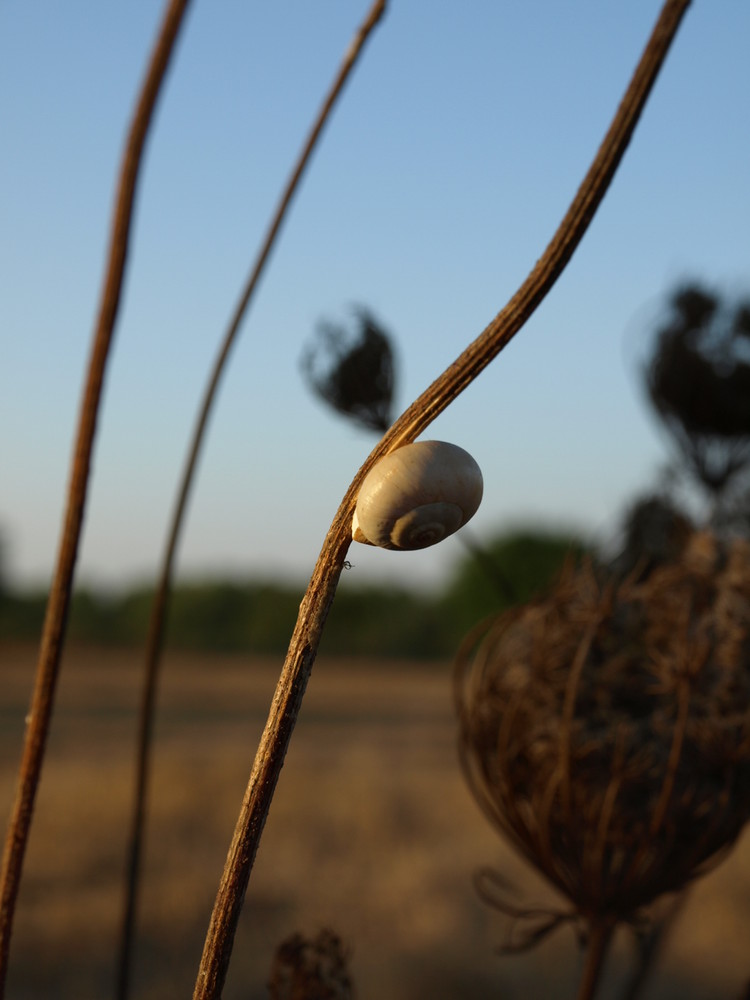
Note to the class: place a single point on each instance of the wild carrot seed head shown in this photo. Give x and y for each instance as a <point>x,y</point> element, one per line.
<point>605,726</point>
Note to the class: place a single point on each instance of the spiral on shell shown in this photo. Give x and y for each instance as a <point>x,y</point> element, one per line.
<point>417,495</point>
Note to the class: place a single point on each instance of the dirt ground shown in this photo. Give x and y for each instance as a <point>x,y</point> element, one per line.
<point>372,833</point>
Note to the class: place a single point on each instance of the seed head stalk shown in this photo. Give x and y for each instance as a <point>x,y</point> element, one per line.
<point>599,938</point>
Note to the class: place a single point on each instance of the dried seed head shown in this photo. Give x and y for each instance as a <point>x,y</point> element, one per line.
<point>353,370</point>
<point>605,727</point>
<point>311,969</point>
<point>698,379</point>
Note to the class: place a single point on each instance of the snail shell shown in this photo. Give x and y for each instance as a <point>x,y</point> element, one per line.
<point>417,495</point>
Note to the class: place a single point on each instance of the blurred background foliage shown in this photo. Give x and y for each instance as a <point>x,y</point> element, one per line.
<point>257,617</point>
<point>696,377</point>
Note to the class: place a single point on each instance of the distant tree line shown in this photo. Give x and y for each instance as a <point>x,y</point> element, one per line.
<point>258,617</point>
<point>697,378</point>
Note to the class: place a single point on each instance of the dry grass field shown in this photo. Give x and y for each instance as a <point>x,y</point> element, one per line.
<point>372,833</point>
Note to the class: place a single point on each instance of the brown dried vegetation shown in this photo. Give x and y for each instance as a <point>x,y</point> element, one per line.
<point>605,728</point>
<point>311,969</point>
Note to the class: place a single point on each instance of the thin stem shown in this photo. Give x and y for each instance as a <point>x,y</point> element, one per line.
<point>651,947</point>
<point>675,752</point>
<point>155,637</point>
<point>600,935</point>
<point>568,711</point>
<point>55,621</point>
<point>322,587</point>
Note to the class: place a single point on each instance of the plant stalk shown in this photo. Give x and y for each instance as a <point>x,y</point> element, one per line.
<point>600,935</point>
<point>651,946</point>
<point>159,608</point>
<point>321,589</point>
<point>53,633</point>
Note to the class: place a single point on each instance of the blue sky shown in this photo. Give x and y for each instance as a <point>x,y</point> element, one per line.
<point>444,171</point>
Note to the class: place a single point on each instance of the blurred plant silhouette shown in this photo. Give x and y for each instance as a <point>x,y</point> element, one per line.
<point>3,564</point>
<point>353,370</point>
<point>698,381</point>
<point>654,531</point>
<point>311,969</point>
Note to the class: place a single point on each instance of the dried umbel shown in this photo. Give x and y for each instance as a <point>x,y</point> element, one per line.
<point>698,379</point>
<point>605,727</point>
<point>353,370</point>
<point>311,969</point>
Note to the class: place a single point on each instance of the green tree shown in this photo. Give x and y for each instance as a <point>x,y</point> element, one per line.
<point>508,570</point>
<point>386,622</point>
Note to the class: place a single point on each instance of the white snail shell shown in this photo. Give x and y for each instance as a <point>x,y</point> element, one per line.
<point>417,495</point>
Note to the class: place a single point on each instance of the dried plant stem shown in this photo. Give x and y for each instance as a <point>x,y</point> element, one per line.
<point>321,589</point>
<point>683,710</point>
<point>651,947</point>
<point>59,597</point>
<point>600,935</point>
<point>155,637</point>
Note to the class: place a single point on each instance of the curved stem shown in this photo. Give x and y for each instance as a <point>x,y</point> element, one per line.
<point>600,935</point>
<point>321,589</point>
<point>55,620</point>
<point>155,637</point>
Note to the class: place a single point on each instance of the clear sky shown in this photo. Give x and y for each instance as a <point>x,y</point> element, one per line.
<point>445,169</point>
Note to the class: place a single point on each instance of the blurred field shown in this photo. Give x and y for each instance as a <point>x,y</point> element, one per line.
<point>372,833</point>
